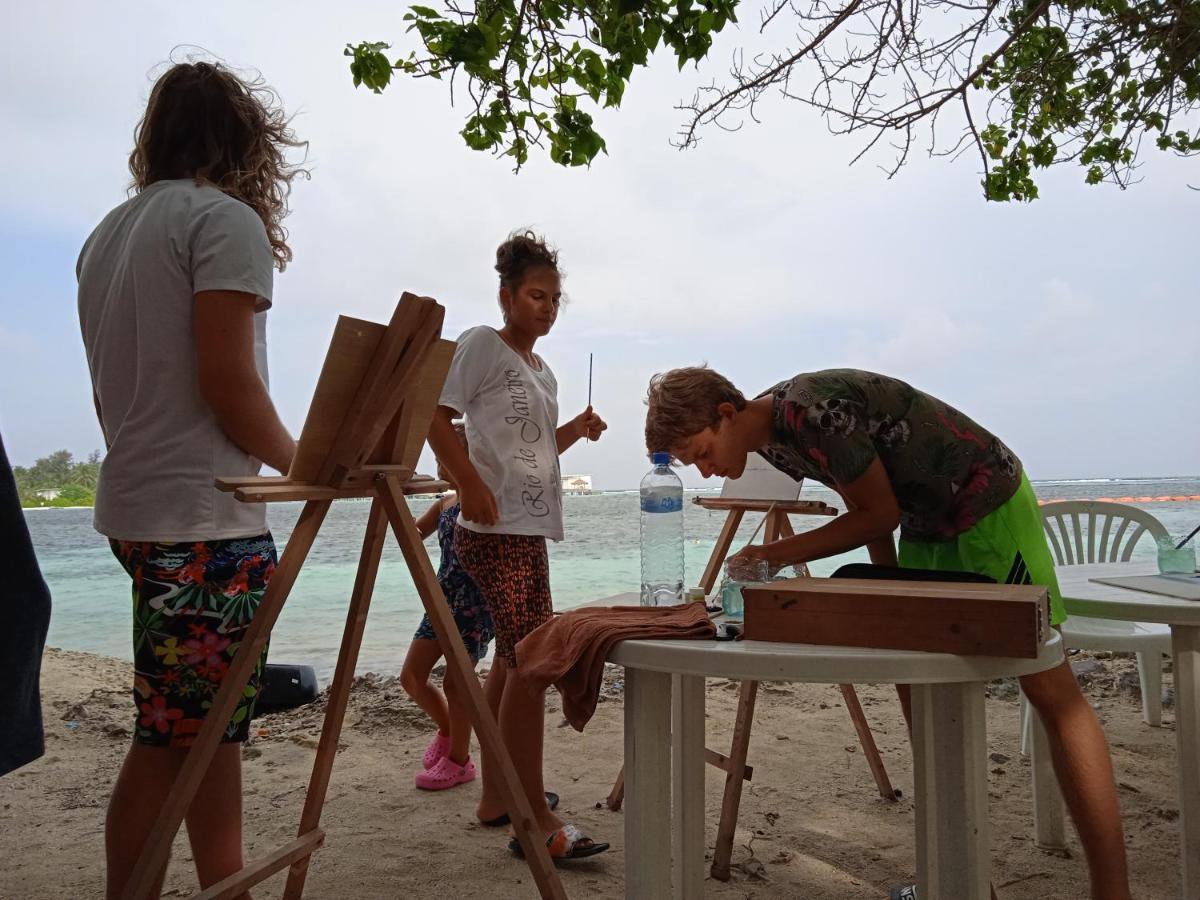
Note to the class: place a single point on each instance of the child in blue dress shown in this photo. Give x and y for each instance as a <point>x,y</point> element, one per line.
<point>447,759</point>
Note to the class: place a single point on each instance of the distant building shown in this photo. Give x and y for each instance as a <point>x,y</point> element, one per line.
<point>48,493</point>
<point>577,484</point>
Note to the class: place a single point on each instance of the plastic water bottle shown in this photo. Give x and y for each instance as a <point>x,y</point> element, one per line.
<point>662,534</point>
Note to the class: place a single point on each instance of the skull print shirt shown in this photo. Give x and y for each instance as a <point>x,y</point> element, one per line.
<point>946,471</point>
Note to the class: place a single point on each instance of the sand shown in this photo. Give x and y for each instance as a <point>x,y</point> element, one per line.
<point>812,825</point>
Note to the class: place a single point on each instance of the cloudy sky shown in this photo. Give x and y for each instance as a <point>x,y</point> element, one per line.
<point>1068,326</point>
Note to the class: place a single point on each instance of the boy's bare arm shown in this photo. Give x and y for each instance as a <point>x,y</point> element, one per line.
<point>223,326</point>
<point>872,516</point>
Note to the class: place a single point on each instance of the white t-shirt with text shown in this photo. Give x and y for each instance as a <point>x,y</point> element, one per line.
<point>511,412</point>
<point>138,274</point>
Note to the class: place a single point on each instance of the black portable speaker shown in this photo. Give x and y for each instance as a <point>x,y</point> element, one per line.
<point>286,686</point>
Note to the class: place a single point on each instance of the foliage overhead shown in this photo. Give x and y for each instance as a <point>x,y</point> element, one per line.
<point>1026,83</point>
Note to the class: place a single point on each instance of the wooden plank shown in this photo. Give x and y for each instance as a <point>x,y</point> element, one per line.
<point>283,493</point>
<point>408,386</point>
<point>158,847</point>
<point>416,414</point>
<point>717,760</point>
<point>339,689</point>
<point>721,550</point>
<point>617,795</point>
<point>391,340</point>
<point>798,507</point>
<point>359,485</point>
<point>722,762</point>
<point>350,350</point>
<point>486,727</point>
<point>937,617</point>
<point>867,741</point>
<point>406,319</point>
<point>731,801</point>
<point>375,408</point>
<point>258,870</point>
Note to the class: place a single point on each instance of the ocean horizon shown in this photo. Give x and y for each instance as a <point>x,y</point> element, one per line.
<point>599,557</point>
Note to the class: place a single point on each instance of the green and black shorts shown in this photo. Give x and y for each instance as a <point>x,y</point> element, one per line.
<point>1007,545</point>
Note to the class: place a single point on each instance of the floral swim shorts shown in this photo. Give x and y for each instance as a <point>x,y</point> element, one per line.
<point>191,605</point>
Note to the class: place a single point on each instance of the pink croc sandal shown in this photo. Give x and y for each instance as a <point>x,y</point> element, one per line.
<point>436,751</point>
<point>446,774</point>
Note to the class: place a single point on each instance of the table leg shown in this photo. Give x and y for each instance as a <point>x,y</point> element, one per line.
<point>647,784</point>
<point>1049,824</point>
<point>687,786</point>
<point>950,774</point>
<point>1185,647</point>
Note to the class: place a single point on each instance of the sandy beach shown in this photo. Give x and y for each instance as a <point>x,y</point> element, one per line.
<point>812,824</point>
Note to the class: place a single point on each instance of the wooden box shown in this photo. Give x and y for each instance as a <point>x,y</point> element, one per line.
<point>939,617</point>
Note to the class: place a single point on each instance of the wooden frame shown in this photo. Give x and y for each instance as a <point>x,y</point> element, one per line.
<point>364,432</point>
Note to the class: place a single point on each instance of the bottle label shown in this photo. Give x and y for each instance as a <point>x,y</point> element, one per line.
<point>662,504</point>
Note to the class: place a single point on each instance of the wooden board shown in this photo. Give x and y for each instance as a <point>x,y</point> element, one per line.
<point>412,425</point>
<point>350,352</point>
<point>795,507</point>
<point>938,617</point>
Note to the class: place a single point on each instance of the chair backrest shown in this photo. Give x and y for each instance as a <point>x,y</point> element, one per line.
<point>760,481</point>
<point>1088,531</point>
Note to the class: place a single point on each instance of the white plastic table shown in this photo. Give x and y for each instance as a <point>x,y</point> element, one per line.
<point>1085,597</point>
<point>664,750</point>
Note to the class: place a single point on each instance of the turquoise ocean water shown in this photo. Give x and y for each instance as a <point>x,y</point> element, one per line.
<point>598,558</point>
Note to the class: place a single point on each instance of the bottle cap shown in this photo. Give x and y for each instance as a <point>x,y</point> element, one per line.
<point>660,458</point>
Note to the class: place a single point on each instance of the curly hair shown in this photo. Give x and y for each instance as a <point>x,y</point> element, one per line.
<point>204,122</point>
<point>683,402</point>
<point>524,250</point>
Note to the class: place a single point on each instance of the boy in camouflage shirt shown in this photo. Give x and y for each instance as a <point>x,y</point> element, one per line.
<point>902,458</point>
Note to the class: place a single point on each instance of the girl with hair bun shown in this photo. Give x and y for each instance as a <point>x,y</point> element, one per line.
<point>509,489</point>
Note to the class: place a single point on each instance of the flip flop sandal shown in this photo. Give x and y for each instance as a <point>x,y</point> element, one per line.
<point>502,820</point>
<point>564,845</point>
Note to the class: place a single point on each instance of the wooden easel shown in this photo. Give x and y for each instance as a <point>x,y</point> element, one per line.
<point>778,525</point>
<point>364,432</point>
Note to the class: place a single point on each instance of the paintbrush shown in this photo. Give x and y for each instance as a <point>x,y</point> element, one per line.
<point>588,437</point>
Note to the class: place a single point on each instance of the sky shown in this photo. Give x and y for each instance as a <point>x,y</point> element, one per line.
<point>1067,326</point>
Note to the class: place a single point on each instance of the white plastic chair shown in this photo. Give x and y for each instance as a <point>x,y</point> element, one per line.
<point>1091,531</point>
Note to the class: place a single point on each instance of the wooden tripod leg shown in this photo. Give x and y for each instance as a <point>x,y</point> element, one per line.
<point>724,541</point>
<point>195,765</point>
<point>617,795</point>
<point>867,741</point>
<point>486,727</point>
<point>772,528</point>
<point>339,690</point>
<point>733,781</point>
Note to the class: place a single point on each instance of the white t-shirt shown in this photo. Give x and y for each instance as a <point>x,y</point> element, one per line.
<point>511,414</point>
<point>138,273</point>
